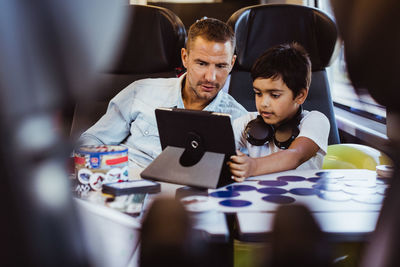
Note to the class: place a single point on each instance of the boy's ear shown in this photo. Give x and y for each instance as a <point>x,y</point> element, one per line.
<point>301,96</point>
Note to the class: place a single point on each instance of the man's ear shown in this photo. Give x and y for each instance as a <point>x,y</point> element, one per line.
<point>184,56</point>
<point>301,96</point>
<point>233,62</point>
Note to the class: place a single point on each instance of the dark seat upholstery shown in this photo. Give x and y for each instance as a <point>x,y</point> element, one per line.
<point>150,47</point>
<point>260,27</point>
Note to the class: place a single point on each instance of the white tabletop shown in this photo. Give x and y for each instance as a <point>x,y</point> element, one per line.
<point>347,220</point>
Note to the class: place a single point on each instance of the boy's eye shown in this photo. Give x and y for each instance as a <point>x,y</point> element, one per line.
<point>275,95</point>
<point>257,93</point>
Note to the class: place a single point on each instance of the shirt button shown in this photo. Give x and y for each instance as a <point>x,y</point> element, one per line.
<point>146,132</point>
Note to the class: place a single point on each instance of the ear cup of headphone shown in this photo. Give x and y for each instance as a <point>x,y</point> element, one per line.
<point>258,132</point>
<point>284,136</point>
<point>288,131</point>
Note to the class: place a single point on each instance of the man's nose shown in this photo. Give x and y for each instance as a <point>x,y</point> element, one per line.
<point>210,74</point>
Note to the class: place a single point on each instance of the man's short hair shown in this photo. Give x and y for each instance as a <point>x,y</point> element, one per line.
<point>212,30</point>
<point>287,61</point>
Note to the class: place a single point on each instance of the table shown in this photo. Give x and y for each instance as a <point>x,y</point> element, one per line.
<point>352,218</point>
<point>345,203</point>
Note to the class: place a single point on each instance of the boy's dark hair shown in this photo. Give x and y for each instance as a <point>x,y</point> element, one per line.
<point>212,30</point>
<point>287,61</point>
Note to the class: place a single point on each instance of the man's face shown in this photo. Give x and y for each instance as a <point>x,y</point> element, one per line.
<point>208,64</point>
<point>274,100</point>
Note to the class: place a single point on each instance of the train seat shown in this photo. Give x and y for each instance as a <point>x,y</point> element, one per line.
<point>262,26</point>
<point>150,47</point>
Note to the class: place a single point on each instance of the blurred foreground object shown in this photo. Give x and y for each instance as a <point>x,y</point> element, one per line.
<point>49,51</point>
<point>370,31</point>
<point>297,239</point>
<point>168,239</point>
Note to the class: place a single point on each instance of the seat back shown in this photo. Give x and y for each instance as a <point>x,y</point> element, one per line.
<point>150,47</point>
<point>260,27</point>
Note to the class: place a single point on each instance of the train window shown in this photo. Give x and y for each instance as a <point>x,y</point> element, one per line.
<point>343,93</point>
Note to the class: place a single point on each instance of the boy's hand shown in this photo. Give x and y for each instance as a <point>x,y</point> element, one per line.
<point>241,166</point>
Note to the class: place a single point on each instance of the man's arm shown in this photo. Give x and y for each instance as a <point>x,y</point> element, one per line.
<point>114,126</point>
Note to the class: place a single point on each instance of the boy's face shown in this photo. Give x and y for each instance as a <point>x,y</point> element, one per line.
<point>274,100</point>
<point>208,65</point>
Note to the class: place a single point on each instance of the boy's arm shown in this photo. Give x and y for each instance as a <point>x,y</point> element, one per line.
<point>301,150</point>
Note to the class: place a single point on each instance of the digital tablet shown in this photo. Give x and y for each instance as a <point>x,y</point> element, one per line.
<point>196,146</point>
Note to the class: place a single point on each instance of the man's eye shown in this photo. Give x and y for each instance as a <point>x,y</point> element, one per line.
<point>257,93</point>
<point>222,66</point>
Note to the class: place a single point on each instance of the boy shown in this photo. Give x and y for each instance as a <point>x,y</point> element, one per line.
<point>280,136</point>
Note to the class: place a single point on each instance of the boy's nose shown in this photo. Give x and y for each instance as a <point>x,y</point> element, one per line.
<point>265,101</point>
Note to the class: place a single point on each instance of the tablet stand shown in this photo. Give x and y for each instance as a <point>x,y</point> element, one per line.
<point>190,166</point>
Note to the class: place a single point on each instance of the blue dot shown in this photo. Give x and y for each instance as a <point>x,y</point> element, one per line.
<point>313,179</point>
<point>272,190</point>
<point>235,203</point>
<point>278,199</point>
<point>303,191</point>
<point>241,188</point>
<point>221,194</point>
<point>321,173</point>
<point>273,183</point>
<point>291,178</point>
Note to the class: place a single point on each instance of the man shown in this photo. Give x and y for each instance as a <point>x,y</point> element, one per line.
<point>130,120</point>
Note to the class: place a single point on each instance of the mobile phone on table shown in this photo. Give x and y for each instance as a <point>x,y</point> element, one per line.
<point>131,187</point>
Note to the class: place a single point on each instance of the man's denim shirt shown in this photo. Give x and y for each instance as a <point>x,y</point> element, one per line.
<point>130,118</point>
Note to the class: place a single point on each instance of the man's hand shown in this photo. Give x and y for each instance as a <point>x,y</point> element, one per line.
<point>242,166</point>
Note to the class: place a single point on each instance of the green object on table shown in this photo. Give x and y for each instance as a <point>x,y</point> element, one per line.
<point>354,156</point>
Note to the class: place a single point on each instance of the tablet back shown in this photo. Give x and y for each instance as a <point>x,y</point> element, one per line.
<point>196,146</point>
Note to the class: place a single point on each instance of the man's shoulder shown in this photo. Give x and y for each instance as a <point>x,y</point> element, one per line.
<point>156,83</point>
<point>245,118</point>
<point>154,88</point>
<point>229,103</point>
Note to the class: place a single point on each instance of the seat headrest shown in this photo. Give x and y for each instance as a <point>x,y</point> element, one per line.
<point>260,27</point>
<point>151,43</point>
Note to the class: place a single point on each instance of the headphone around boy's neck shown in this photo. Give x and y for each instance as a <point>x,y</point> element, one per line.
<point>258,132</point>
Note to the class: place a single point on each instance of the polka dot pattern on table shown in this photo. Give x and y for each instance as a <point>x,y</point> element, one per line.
<point>222,194</point>
<point>303,191</point>
<point>235,203</point>
<point>272,190</point>
<point>241,188</point>
<point>273,183</point>
<point>291,178</point>
<point>313,179</point>
<point>330,175</point>
<point>278,199</point>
